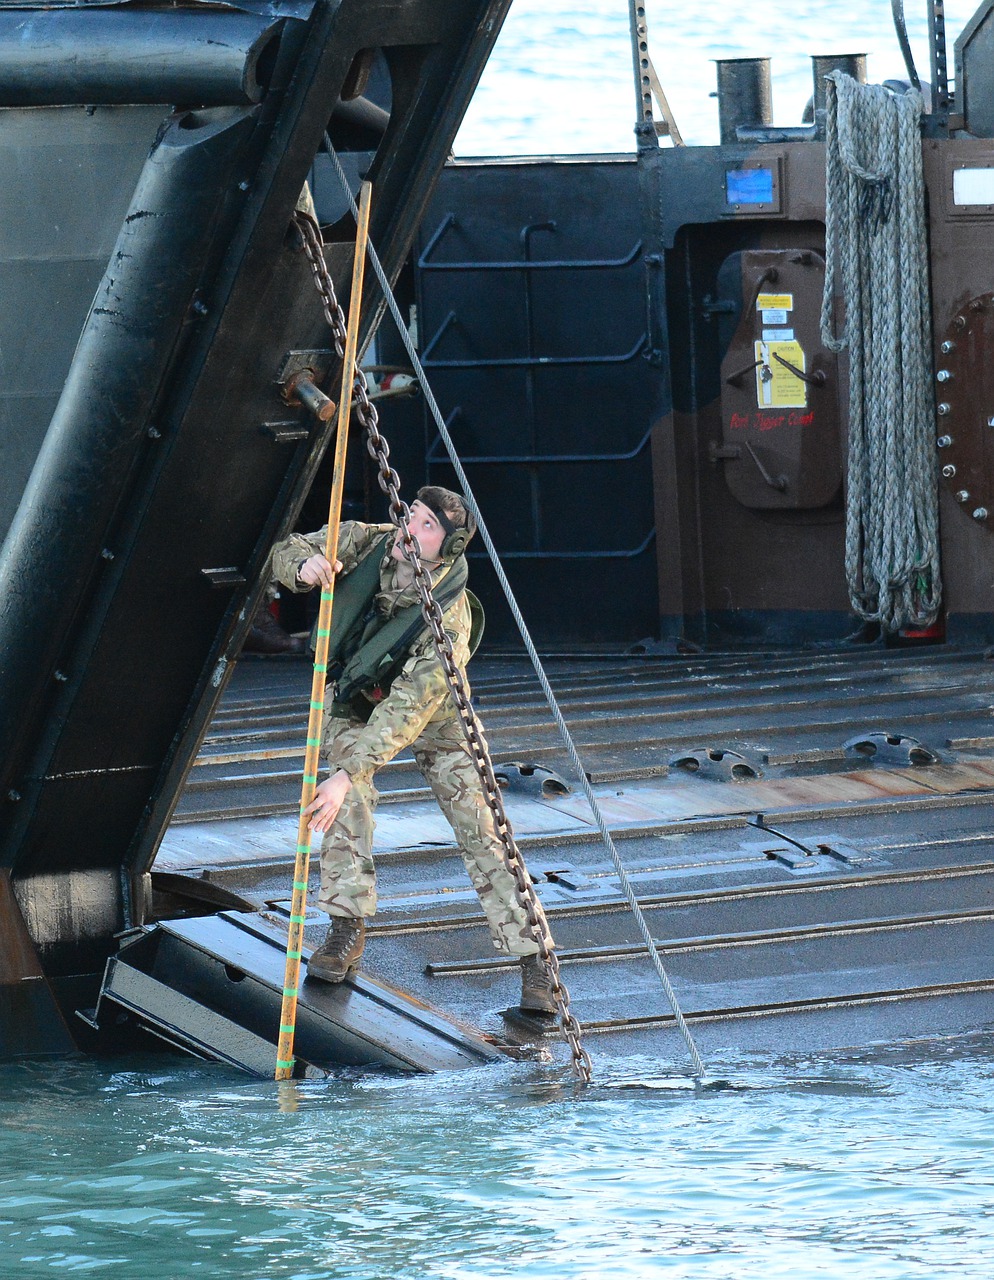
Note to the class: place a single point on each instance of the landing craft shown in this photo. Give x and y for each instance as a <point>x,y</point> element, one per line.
<point>651,414</point>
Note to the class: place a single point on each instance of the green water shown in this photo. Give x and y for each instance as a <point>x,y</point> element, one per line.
<point>874,1167</point>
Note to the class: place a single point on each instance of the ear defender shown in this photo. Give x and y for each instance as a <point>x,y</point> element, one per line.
<point>454,544</point>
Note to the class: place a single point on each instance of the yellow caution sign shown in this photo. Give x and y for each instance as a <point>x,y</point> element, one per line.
<point>775,302</point>
<point>777,383</point>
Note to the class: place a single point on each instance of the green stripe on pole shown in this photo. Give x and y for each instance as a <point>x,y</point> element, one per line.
<point>310,777</point>
<point>317,706</point>
<point>290,991</point>
<point>293,955</point>
<point>321,632</point>
<point>297,919</point>
<point>284,1065</point>
<point>320,666</point>
<point>300,884</point>
<point>313,742</point>
<point>286,1031</point>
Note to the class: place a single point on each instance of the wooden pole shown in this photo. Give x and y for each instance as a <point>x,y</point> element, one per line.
<point>312,754</point>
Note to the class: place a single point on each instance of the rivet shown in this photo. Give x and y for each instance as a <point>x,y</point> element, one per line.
<point>61,677</point>
<point>947,346</point>
<point>106,554</point>
<point>13,795</point>
<point>962,496</point>
<point>980,513</point>
<point>943,375</point>
<point>959,322</point>
<point>949,471</point>
<point>942,410</point>
<point>943,442</point>
<point>154,433</point>
<point>200,307</point>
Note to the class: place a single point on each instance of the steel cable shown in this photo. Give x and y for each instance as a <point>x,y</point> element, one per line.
<point>581,773</point>
<point>876,255</point>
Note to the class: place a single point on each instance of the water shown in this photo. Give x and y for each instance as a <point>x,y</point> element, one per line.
<point>881,1167</point>
<point>560,78</point>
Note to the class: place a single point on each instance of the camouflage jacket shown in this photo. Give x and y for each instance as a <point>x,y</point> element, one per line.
<point>419,694</point>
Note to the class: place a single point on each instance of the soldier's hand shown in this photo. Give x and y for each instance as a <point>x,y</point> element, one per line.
<point>328,797</point>
<point>318,572</point>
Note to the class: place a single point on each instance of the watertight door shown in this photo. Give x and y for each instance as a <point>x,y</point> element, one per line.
<point>781,445</point>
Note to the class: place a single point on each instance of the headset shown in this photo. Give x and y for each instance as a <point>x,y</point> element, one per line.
<point>456,536</point>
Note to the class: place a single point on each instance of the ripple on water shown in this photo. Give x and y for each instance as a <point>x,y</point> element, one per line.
<point>880,1166</point>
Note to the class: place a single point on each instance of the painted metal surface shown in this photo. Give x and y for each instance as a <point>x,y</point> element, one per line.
<point>158,469</point>
<point>546,386</point>
<point>202,58</point>
<point>213,986</point>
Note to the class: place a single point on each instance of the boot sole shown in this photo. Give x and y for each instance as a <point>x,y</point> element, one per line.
<point>535,1012</point>
<point>331,976</point>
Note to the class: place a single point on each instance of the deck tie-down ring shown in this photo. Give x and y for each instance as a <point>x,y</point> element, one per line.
<point>880,747</point>
<point>520,777</point>
<point>717,763</point>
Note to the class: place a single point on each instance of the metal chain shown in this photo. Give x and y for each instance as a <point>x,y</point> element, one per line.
<point>389,481</point>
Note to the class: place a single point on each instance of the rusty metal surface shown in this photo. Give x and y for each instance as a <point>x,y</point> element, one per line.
<point>962,272</point>
<point>749,563</point>
<point>965,409</point>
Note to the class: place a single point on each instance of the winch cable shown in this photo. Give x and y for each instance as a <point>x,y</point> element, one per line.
<point>581,773</point>
<point>876,249</point>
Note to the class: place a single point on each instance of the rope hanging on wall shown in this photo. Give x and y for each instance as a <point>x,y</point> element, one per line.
<point>876,248</point>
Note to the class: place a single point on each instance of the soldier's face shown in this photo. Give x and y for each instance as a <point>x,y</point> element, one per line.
<point>424,526</point>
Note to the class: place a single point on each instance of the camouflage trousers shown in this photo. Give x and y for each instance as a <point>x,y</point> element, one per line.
<point>348,876</point>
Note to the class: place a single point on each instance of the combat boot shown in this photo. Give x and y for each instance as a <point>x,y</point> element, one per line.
<point>341,950</point>
<point>536,987</point>
<point>267,636</point>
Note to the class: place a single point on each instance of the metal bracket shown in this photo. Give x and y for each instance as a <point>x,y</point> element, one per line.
<point>285,432</point>
<point>560,873</point>
<point>228,576</point>
<point>821,854</point>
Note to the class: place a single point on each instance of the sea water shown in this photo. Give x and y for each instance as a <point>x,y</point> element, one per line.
<point>560,78</point>
<point>879,1165</point>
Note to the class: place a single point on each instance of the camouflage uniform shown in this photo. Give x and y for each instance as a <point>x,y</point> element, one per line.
<point>418,712</point>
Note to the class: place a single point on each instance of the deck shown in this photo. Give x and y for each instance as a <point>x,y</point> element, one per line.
<point>804,893</point>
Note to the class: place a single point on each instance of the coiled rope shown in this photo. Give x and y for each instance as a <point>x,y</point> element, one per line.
<point>581,773</point>
<point>876,249</point>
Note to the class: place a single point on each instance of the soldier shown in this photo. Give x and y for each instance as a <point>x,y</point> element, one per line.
<point>390,693</point>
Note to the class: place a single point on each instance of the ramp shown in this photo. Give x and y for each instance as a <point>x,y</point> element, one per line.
<point>213,987</point>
